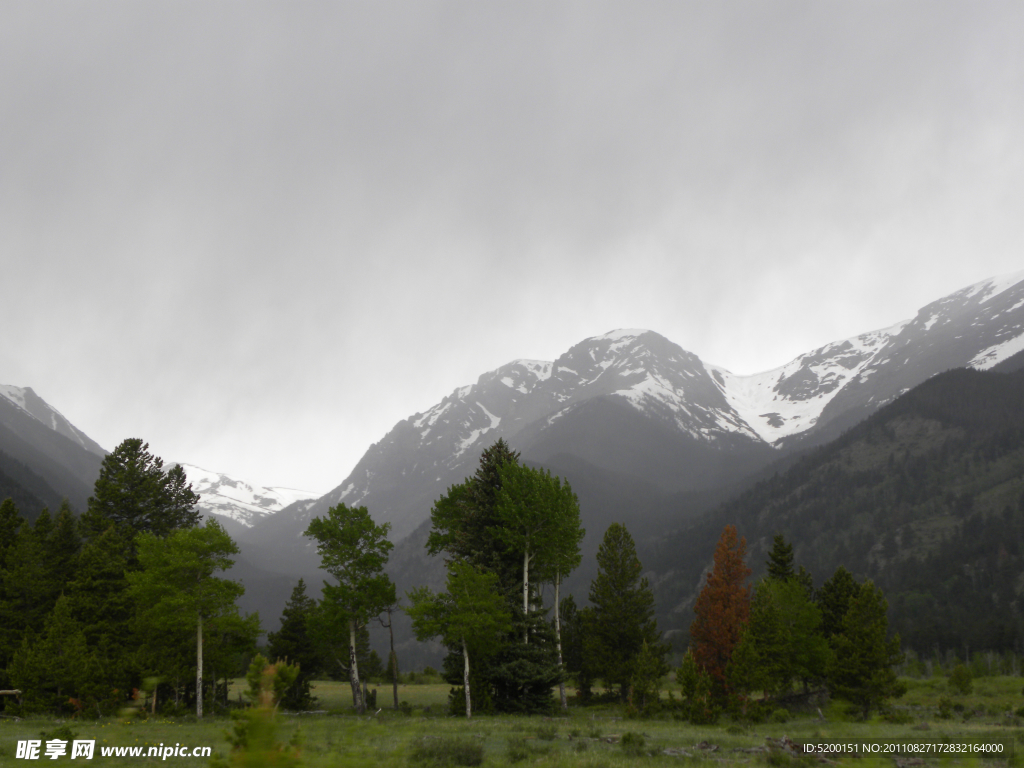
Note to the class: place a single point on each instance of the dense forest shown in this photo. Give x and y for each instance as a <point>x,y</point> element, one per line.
<point>925,498</point>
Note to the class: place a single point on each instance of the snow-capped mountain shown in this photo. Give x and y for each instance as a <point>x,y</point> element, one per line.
<point>631,400</point>
<point>43,457</point>
<point>33,405</point>
<point>237,500</point>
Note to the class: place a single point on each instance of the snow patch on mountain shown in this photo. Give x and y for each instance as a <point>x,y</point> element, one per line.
<point>25,399</point>
<point>789,399</point>
<point>993,286</point>
<point>239,500</point>
<point>997,353</point>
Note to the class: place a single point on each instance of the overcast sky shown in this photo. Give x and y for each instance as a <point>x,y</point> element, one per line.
<point>258,235</point>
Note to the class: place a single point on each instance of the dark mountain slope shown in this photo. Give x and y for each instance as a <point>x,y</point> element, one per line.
<point>926,497</point>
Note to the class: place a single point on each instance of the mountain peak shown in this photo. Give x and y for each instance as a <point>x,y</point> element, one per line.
<point>25,399</point>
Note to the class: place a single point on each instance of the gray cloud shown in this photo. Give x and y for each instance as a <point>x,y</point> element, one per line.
<point>258,234</point>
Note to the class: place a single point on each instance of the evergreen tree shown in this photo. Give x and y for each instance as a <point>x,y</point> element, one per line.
<point>354,550</point>
<point>622,621</point>
<point>134,493</point>
<point>52,669</point>
<point>62,547</point>
<point>101,604</point>
<point>834,599</point>
<point>479,523</point>
<point>722,608</point>
<point>782,641</point>
<point>780,559</point>
<point>25,591</point>
<point>10,521</point>
<point>293,643</point>
<point>862,669</point>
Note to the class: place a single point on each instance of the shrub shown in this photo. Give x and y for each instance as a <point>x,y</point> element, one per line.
<point>961,680</point>
<point>547,732</point>
<point>780,715</point>
<point>63,732</point>
<point>447,751</point>
<point>897,716</point>
<point>945,708</point>
<point>519,749</point>
<point>633,744</point>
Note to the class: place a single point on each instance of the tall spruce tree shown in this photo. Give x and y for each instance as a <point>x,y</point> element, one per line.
<point>10,521</point>
<point>134,493</point>
<point>862,669</point>
<point>722,608</point>
<point>293,643</point>
<point>621,620</point>
<point>780,559</point>
<point>834,599</point>
<point>474,524</point>
<point>782,640</point>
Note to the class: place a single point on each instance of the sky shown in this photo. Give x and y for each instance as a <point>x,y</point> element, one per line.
<point>259,234</point>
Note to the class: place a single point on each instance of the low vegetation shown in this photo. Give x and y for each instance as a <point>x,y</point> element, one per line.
<point>597,735</point>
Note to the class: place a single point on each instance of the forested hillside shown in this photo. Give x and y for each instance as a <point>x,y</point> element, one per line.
<point>926,498</point>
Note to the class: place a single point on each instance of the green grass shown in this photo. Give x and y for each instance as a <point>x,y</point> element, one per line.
<point>585,737</point>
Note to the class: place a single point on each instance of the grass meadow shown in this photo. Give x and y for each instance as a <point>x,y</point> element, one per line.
<point>595,736</point>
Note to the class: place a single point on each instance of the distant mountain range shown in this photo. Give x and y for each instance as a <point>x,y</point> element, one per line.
<point>44,458</point>
<point>645,431</point>
<point>632,402</point>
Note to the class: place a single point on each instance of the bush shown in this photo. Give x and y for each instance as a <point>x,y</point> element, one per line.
<point>961,680</point>
<point>780,715</point>
<point>519,750</point>
<point>547,732</point>
<point>447,751</point>
<point>897,716</point>
<point>945,708</point>
<point>633,744</point>
<point>64,733</point>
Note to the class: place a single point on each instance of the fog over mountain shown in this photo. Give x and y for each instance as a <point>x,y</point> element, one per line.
<point>262,234</point>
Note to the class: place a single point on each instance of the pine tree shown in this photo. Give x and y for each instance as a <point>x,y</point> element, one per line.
<point>294,643</point>
<point>862,669</point>
<point>782,641</point>
<point>25,593</point>
<point>722,608</point>
<point>51,670</point>
<point>134,493</point>
<point>10,521</point>
<point>101,604</point>
<point>834,599</point>
<point>478,523</point>
<point>622,619</point>
<point>780,559</point>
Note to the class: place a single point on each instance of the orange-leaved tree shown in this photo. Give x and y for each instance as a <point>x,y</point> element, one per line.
<point>722,608</point>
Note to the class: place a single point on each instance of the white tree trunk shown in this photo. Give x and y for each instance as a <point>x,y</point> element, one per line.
<point>558,638</point>
<point>353,670</point>
<point>199,668</point>
<point>465,677</point>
